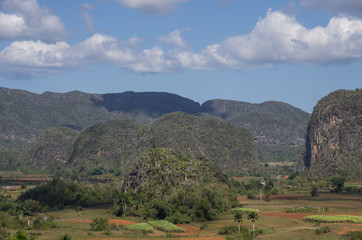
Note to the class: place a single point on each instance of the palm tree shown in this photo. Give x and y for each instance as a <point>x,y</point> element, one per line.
<point>238,217</point>
<point>253,216</point>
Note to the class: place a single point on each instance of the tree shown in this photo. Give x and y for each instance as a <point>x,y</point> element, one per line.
<point>253,217</point>
<point>99,224</point>
<point>314,192</point>
<point>337,182</point>
<point>238,217</point>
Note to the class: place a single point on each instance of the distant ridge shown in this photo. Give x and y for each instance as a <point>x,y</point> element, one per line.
<point>25,115</point>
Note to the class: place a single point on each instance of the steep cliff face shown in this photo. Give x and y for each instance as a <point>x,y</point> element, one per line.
<point>334,135</point>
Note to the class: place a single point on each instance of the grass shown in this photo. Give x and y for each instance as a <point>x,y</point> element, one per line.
<point>334,218</point>
<point>166,226</point>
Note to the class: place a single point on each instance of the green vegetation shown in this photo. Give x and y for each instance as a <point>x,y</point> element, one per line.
<point>322,230</point>
<point>167,185</point>
<point>99,224</point>
<point>58,193</point>
<point>272,123</point>
<point>278,153</point>
<point>245,210</point>
<point>165,226</point>
<point>356,235</point>
<point>56,119</point>
<point>308,209</point>
<point>144,227</point>
<point>334,218</point>
<point>253,217</point>
<point>117,144</point>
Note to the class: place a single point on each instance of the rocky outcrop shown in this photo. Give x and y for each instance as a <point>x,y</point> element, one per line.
<point>334,135</point>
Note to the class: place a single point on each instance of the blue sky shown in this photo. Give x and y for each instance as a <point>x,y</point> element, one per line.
<point>254,51</point>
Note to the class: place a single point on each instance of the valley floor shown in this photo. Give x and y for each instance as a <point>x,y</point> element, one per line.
<point>274,222</point>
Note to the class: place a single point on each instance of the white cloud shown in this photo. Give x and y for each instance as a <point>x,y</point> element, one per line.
<point>276,39</point>
<point>24,19</point>
<point>154,7</point>
<point>174,38</point>
<point>27,59</point>
<point>345,6</point>
<point>279,38</point>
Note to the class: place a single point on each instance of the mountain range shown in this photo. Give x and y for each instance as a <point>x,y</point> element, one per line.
<point>25,115</point>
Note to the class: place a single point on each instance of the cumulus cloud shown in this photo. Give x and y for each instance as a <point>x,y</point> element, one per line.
<point>154,7</point>
<point>174,38</point>
<point>277,38</point>
<point>345,6</point>
<point>26,59</point>
<point>24,19</point>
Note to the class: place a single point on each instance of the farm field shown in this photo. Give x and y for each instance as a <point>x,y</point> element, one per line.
<point>274,222</point>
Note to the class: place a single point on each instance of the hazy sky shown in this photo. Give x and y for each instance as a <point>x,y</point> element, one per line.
<point>254,51</point>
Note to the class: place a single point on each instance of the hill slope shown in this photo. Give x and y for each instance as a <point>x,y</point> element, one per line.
<point>119,143</point>
<point>163,184</point>
<point>25,115</point>
<point>50,151</point>
<point>274,123</point>
<point>334,143</point>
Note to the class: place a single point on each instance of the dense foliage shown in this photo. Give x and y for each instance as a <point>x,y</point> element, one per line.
<point>59,193</point>
<point>166,185</point>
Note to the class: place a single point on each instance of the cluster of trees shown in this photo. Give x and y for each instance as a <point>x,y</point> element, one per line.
<point>59,193</point>
<point>177,205</point>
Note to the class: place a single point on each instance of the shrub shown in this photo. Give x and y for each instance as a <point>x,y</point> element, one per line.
<point>234,234</point>
<point>65,237</point>
<point>250,194</point>
<point>99,224</point>
<point>322,230</point>
<point>179,218</point>
<point>355,235</point>
<point>204,226</point>
<point>228,230</point>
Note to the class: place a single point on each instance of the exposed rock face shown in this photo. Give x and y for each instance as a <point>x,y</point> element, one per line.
<point>334,135</point>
